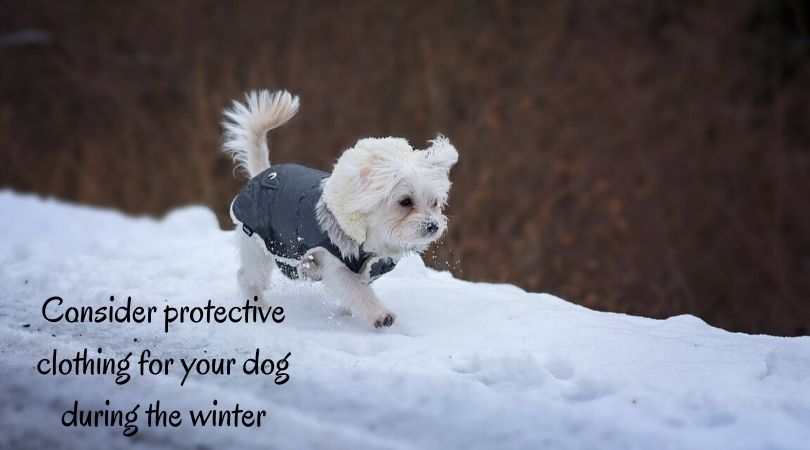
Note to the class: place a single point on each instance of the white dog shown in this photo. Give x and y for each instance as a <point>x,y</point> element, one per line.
<point>382,200</point>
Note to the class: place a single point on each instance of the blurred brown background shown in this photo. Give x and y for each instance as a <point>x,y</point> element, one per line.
<point>650,157</point>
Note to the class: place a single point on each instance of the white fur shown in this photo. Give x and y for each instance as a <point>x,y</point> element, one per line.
<point>369,178</point>
<point>363,202</point>
<point>247,124</point>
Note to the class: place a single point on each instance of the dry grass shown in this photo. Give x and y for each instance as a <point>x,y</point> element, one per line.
<point>635,156</point>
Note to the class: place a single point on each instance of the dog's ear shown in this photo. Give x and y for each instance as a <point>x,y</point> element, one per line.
<point>441,153</point>
<point>340,192</point>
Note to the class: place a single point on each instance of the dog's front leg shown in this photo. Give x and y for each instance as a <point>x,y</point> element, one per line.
<point>358,296</point>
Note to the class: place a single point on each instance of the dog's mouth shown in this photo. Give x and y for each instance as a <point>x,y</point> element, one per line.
<point>421,243</point>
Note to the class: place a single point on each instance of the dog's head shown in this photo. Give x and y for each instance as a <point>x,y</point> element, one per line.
<point>388,196</point>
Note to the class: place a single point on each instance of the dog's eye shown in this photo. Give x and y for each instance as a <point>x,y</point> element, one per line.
<point>435,203</point>
<point>406,202</point>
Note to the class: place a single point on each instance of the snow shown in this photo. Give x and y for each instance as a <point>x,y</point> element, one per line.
<point>466,365</point>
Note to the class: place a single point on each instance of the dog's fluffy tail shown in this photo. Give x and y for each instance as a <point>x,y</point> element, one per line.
<point>246,126</point>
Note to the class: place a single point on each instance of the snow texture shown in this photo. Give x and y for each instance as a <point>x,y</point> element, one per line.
<point>466,365</point>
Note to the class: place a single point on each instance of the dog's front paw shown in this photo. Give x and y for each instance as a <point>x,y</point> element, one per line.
<point>310,267</point>
<point>384,320</point>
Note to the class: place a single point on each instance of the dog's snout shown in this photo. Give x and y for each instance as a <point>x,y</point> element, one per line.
<point>431,227</point>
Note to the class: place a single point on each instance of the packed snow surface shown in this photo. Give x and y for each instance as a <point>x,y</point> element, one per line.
<point>466,365</point>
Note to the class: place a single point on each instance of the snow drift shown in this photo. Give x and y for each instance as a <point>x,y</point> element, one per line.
<point>466,365</point>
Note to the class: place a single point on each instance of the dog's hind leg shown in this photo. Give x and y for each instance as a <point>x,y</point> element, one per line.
<point>255,267</point>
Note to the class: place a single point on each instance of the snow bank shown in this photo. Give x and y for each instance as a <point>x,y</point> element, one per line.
<point>466,365</point>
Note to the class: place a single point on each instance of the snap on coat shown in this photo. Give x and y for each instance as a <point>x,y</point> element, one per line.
<point>279,205</point>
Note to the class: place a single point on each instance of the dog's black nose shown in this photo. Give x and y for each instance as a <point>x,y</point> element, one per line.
<point>431,227</point>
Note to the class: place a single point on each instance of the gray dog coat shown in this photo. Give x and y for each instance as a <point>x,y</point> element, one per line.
<point>279,205</point>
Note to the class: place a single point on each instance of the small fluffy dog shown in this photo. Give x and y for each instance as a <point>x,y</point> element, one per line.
<point>382,200</point>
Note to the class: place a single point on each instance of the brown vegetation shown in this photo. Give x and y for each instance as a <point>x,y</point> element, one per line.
<point>650,157</point>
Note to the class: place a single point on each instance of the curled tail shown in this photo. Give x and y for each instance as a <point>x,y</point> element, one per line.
<point>246,126</point>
